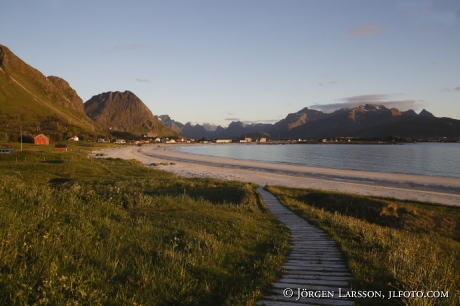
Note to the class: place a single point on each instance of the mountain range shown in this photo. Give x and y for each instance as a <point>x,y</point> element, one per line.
<point>35,104</point>
<point>363,121</point>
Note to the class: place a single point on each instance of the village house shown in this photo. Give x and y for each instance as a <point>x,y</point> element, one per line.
<point>60,147</point>
<point>223,140</point>
<point>74,138</point>
<point>41,140</point>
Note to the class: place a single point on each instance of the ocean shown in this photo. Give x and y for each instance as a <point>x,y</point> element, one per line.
<point>434,159</point>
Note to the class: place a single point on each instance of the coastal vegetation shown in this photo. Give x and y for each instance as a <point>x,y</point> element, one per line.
<point>389,244</point>
<point>79,230</point>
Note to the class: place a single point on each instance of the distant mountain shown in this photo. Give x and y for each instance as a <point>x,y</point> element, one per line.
<point>425,113</point>
<point>238,128</point>
<point>124,111</point>
<point>167,121</point>
<point>375,121</point>
<point>209,126</point>
<point>294,120</point>
<point>37,103</point>
<point>419,126</point>
<point>212,131</point>
<point>363,121</point>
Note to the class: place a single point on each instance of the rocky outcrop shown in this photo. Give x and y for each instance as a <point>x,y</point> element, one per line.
<point>124,111</point>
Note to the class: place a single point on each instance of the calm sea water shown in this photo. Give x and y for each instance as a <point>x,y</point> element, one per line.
<point>438,159</point>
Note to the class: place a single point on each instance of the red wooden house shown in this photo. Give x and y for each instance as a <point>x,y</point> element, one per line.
<point>41,140</point>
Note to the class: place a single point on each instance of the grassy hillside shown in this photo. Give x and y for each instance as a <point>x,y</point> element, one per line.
<point>78,230</point>
<point>31,100</point>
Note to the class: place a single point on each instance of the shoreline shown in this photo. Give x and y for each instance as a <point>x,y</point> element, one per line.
<point>443,190</point>
<point>302,165</point>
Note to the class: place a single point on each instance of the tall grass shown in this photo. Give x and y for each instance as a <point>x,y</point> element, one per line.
<point>112,232</point>
<point>396,255</point>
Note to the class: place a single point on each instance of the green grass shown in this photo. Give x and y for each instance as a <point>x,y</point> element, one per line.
<point>78,230</point>
<point>388,244</point>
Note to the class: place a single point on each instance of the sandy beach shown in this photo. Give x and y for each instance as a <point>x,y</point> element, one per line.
<point>444,190</point>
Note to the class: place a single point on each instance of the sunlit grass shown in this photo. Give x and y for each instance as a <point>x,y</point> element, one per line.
<point>388,244</point>
<point>77,230</point>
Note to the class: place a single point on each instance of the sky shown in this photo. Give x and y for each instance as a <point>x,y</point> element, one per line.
<point>252,60</point>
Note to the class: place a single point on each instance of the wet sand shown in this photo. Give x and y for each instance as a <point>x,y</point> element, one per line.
<point>444,190</point>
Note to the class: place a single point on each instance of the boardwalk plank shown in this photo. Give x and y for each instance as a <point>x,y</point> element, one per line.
<point>315,262</point>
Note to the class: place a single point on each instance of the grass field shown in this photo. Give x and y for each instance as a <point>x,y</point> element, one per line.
<point>81,231</point>
<point>389,245</point>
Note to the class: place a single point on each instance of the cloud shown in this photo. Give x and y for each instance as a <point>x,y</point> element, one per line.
<point>333,83</point>
<point>428,28</point>
<point>449,90</point>
<point>352,102</point>
<point>416,12</point>
<point>232,119</point>
<point>143,80</point>
<point>427,19</point>
<point>443,17</point>
<point>366,31</point>
<point>320,84</point>
<point>261,121</point>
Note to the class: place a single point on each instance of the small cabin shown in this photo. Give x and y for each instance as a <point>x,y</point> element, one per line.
<point>60,147</point>
<point>41,140</point>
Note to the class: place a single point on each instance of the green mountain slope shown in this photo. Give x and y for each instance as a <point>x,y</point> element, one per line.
<point>37,103</point>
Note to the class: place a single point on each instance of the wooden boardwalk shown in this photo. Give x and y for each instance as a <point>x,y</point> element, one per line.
<point>314,267</point>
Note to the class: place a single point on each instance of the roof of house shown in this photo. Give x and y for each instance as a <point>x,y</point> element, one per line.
<point>42,136</point>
